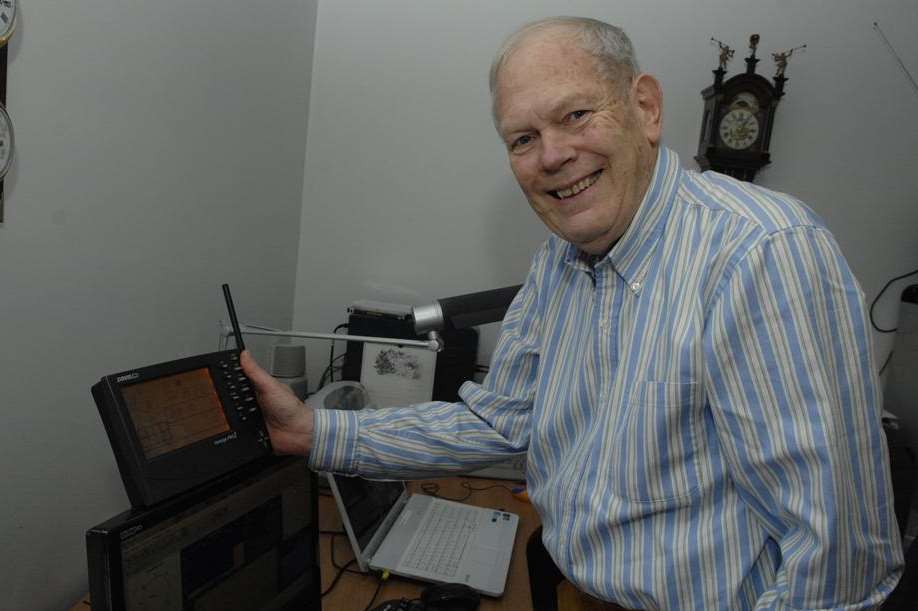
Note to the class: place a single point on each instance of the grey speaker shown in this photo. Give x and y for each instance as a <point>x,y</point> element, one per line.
<point>288,361</point>
<point>288,364</point>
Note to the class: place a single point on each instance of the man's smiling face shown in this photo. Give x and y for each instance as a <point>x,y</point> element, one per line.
<point>581,149</point>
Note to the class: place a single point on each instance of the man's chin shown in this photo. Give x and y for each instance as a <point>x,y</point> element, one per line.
<point>591,243</point>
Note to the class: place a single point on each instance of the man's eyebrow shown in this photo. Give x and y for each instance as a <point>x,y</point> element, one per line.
<point>507,129</point>
<point>564,102</point>
<point>571,99</point>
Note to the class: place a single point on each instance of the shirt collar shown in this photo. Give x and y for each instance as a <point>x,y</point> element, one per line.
<point>633,251</point>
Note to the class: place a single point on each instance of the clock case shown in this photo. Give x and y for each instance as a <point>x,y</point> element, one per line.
<point>713,153</point>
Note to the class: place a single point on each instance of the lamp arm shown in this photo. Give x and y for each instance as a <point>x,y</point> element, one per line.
<point>434,343</point>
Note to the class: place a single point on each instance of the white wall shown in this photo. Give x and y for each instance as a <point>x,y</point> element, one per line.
<point>160,153</point>
<point>407,195</point>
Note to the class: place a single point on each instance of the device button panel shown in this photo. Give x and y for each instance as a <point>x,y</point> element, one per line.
<point>238,388</point>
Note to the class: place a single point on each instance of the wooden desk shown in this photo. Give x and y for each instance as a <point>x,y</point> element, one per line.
<point>353,591</point>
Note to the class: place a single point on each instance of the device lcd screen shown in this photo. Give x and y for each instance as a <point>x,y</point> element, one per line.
<point>175,411</point>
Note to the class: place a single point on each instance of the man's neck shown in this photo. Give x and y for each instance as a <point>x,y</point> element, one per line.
<point>591,259</point>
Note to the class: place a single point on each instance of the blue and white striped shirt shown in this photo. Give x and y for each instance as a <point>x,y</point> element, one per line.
<point>700,408</point>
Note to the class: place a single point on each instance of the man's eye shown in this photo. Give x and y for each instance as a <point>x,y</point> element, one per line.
<point>521,142</point>
<point>577,115</point>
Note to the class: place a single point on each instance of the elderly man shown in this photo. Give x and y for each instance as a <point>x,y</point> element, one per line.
<point>687,363</point>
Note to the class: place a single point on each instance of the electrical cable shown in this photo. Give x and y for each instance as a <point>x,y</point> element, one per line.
<point>880,294</point>
<point>335,562</point>
<point>382,579</point>
<point>886,362</point>
<point>331,349</point>
<point>338,577</point>
<point>330,370</point>
<point>346,568</point>
<point>433,489</point>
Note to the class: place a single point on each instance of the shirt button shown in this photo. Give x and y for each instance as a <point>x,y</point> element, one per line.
<point>635,286</point>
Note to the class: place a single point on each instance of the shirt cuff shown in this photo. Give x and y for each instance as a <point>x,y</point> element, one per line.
<point>334,445</point>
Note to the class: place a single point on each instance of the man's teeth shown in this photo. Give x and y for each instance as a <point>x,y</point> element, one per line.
<point>578,187</point>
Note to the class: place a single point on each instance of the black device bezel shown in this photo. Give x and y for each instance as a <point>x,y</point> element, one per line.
<point>150,481</point>
<point>104,541</point>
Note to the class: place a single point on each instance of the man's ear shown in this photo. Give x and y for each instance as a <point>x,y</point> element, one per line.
<point>647,96</point>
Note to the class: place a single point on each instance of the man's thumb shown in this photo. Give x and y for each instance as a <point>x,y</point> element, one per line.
<point>259,376</point>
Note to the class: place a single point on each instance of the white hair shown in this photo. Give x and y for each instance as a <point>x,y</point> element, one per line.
<point>609,44</point>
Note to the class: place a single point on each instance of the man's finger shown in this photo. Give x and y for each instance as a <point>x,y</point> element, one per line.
<point>259,376</point>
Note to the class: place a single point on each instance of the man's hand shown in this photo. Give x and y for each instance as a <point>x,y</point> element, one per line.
<point>288,420</point>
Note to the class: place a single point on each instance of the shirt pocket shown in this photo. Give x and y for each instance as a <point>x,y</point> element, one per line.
<point>655,449</point>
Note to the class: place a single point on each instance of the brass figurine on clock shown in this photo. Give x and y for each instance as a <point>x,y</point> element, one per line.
<point>739,114</point>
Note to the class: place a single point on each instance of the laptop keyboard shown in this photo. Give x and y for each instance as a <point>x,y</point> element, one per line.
<point>442,538</point>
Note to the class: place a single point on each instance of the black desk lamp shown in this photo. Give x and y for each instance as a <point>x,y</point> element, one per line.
<point>463,311</point>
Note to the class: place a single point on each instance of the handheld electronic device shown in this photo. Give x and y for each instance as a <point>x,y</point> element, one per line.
<point>176,425</point>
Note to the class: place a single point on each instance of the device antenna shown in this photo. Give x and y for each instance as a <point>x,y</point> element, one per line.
<point>237,333</point>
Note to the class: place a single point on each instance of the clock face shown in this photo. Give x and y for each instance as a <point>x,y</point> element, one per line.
<point>745,100</point>
<point>6,142</point>
<point>7,19</point>
<point>739,129</point>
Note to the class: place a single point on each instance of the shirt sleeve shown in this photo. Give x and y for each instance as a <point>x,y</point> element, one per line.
<point>796,403</point>
<point>490,424</point>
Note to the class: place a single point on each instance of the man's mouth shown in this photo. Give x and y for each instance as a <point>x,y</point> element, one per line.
<point>578,187</point>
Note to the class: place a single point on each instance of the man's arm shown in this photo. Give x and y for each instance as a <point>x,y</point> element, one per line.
<point>794,395</point>
<point>491,421</point>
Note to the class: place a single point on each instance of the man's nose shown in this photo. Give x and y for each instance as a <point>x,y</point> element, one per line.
<point>557,150</point>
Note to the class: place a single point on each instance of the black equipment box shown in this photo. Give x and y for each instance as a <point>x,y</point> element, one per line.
<point>247,541</point>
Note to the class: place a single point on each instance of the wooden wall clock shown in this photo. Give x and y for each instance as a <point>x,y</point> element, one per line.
<point>739,115</point>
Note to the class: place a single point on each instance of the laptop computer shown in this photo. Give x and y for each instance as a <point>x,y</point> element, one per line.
<point>425,537</point>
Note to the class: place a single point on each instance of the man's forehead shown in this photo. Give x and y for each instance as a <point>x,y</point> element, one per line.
<point>547,80</point>
<point>552,51</point>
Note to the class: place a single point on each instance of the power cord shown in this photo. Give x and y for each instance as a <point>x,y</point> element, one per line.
<point>331,349</point>
<point>433,489</point>
<point>337,578</point>
<point>330,371</point>
<point>873,322</point>
<point>382,578</point>
<point>335,562</point>
<point>880,294</point>
<point>346,568</point>
<point>886,362</point>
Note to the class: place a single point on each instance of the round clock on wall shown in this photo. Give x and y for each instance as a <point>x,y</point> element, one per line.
<point>739,129</point>
<point>6,142</point>
<point>8,19</point>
